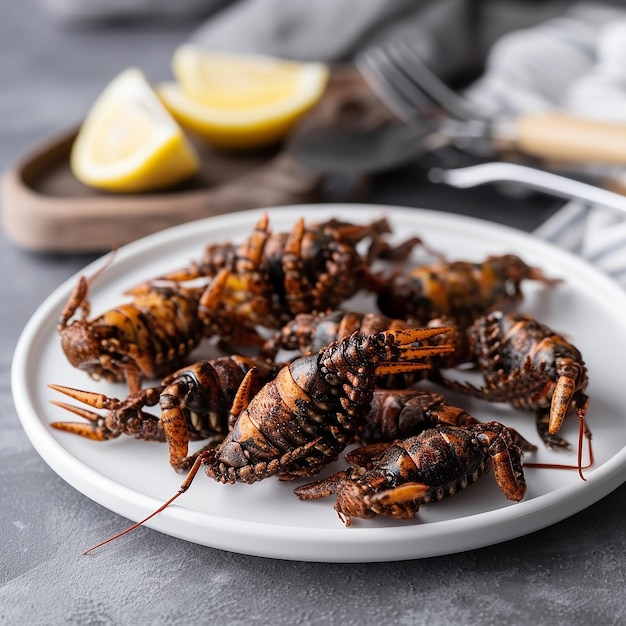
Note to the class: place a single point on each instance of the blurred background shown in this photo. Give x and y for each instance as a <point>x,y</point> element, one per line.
<point>60,55</point>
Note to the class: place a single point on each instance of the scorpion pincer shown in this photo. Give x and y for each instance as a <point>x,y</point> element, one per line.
<point>142,339</point>
<point>428,467</point>
<point>310,332</point>
<point>195,404</point>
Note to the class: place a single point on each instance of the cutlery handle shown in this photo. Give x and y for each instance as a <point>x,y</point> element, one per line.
<point>566,138</point>
<point>531,177</point>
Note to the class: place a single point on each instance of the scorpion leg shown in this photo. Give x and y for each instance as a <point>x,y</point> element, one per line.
<point>543,430</point>
<point>78,300</point>
<point>175,428</point>
<point>561,398</point>
<point>228,325</point>
<point>364,456</point>
<point>506,459</point>
<point>322,488</point>
<point>298,289</point>
<point>350,497</point>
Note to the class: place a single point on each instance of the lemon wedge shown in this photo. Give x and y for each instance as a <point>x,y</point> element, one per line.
<point>129,142</point>
<point>240,101</point>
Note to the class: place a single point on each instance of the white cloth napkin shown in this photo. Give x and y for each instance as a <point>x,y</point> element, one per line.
<point>598,234</point>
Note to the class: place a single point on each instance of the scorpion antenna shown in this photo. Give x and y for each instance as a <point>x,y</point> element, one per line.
<point>106,265</point>
<point>183,488</point>
<point>78,298</point>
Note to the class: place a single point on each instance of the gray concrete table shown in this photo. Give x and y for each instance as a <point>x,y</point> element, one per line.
<point>570,573</point>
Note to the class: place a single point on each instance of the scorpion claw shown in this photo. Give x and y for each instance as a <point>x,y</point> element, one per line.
<point>95,430</point>
<point>93,399</point>
<point>82,430</point>
<point>397,495</point>
<point>92,416</point>
<point>561,398</point>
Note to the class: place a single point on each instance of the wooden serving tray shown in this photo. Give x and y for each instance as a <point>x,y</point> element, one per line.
<point>45,208</point>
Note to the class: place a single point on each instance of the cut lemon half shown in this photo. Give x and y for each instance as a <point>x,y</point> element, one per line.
<point>129,142</point>
<point>240,101</point>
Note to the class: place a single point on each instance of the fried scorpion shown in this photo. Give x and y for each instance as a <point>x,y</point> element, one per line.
<point>195,404</point>
<point>528,365</point>
<point>461,290</point>
<point>428,467</point>
<point>302,419</point>
<point>142,339</point>
<point>401,413</point>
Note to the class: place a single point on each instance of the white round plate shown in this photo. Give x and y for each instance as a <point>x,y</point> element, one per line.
<point>133,478</point>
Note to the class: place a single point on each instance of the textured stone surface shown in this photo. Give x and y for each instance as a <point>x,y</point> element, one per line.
<point>570,573</point>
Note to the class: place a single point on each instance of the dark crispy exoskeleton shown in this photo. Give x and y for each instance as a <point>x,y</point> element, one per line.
<point>462,290</point>
<point>402,413</point>
<point>273,276</point>
<point>310,332</point>
<point>428,467</point>
<point>194,401</point>
<point>142,339</point>
<point>531,367</point>
<point>313,409</point>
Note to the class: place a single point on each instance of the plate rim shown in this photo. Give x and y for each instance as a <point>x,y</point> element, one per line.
<point>600,482</point>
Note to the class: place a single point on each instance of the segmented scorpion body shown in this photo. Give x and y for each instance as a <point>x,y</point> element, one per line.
<point>528,365</point>
<point>316,405</point>
<point>143,339</point>
<point>195,404</point>
<point>428,467</point>
<point>461,290</point>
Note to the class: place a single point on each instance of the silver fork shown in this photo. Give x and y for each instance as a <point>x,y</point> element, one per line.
<point>530,177</point>
<point>400,78</point>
